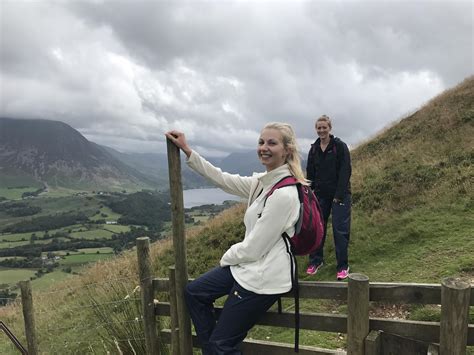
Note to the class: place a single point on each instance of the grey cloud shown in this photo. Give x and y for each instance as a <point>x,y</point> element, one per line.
<point>124,72</point>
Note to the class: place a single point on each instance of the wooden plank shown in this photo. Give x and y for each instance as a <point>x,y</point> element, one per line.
<point>29,317</point>
<point>379,291</point>
<point>424,331</point>
<point>358,313</point>
<point>161,284</point>
<point>322,290</point>
<point>455,295</point>
<point>312,321</point>
<point>147,295</point>
<point>395,344</point>
<point>260,347</point>
<point>174,348</point>
<point>179,245</point>
<point>433,349</point>
<point>372,343</point>
<point>162,309</point>
<point>405,293</point>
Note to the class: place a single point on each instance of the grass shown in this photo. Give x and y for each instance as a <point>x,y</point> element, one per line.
<point>15,193</point>
<point>92,234</point>
<point>82,259</point>
<point>12,276</point>
<point>44,282</point>
<point>103,250</point>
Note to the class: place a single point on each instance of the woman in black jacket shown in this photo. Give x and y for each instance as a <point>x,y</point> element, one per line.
<point>329,169</point>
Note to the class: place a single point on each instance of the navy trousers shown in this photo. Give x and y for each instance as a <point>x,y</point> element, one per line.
<point>341,228</point>
<point>241,311</point>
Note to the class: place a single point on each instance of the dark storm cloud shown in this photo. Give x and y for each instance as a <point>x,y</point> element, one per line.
<point>123,72</point>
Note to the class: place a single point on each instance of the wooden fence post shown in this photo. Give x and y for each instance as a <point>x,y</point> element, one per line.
<point>148,295</point>
<point>179,246</point>
<point>173,313</point>
<point>455,295</point>
<point>358,313</point>
<point>28,317</point>
<point>373,343</point>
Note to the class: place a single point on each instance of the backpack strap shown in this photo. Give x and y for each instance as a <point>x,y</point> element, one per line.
<point>288,181</point>
<point>296,293</point>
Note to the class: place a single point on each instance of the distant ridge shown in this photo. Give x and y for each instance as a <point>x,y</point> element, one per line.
<point>55,154</point>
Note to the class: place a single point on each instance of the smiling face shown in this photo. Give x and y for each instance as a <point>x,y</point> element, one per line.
<point>271,150</point>
<point>323,129</point>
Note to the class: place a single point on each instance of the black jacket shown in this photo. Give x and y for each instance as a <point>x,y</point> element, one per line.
<point>329,171</point>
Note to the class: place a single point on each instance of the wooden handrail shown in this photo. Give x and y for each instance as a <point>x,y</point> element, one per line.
<point>410,293</point>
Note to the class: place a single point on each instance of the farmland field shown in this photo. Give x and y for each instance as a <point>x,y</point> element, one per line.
<point>82,259</point>
<point>58,250</point>
<point>12,276</point>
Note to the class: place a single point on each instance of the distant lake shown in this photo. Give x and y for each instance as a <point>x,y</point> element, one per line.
<point>198,197</point>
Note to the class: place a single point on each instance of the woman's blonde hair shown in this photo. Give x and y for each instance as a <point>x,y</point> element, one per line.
<point>289,142</point>
<point>324,118</point>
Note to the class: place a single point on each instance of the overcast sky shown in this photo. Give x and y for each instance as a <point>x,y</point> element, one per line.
<point>124,72</point>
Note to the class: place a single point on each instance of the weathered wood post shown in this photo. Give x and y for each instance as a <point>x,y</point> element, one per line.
<point>179,246</point>
<point>148,295</point>
<point>173,312</point>
<point>455,295</point>
<point>373,343</point>
<point>28,317</point>
<point>358,313</point>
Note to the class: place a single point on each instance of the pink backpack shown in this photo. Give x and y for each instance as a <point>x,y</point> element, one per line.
<point>309,229</point>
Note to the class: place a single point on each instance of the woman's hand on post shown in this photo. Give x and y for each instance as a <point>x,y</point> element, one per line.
<point>179,140</point>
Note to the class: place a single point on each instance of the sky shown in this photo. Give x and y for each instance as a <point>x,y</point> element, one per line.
<point>124,72</point>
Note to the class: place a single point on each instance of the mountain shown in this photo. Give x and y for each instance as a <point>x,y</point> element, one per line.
<point>57,155</point>
<point>155,166</point>
<point>52,153</point>
<point>242,163</point>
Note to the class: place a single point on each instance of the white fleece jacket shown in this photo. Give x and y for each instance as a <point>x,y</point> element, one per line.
<point>260,263</point>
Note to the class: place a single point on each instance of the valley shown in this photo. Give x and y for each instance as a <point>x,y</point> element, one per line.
<point>53,236</point>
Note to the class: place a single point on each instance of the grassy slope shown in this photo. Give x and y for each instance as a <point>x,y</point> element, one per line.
<point>412,189</point>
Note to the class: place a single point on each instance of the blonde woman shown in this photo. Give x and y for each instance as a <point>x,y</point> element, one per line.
<point>256,271</point>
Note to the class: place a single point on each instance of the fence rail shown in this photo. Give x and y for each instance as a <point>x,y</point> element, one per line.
<point>409,293</point>
<point>419,332</point>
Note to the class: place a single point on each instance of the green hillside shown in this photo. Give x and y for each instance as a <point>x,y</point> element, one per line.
<point>412,222</point>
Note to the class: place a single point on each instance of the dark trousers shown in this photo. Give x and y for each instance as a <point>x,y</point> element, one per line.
<point>341,228</point>
<point>241,311</point>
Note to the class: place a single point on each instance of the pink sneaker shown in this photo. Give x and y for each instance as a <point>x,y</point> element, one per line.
<point>341,275</point>
<point>313,269</point>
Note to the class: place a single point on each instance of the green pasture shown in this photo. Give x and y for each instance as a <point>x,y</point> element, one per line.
<point>63,192</point>
<point>115,228</point>
<point>13,244</point>
<point>103,250</point>
<point>92,234</point>
<point>111,215</point>
<point>15,237</point>
<point>13,276</point>
<point>200,218</point>
<point>12,257</point>
<point>81,259</point>
<point>15,194</point>
<point>60,204</point>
